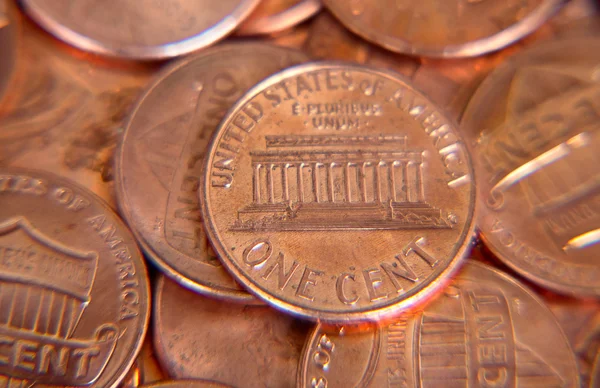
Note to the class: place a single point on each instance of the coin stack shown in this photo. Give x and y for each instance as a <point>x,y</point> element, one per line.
<point>296,193</point>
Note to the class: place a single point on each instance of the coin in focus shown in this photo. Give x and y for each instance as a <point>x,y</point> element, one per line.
<point>8,44</point>
<point>145,29</point>
<point>74,291</point>
<point>533,124</point>
<point>443,28</point>
<point>239,345</point>
<point>187,384</point>
<point>338,192</point>
<point>485,330</point>
<point>160,159</point>
<point>273,16</point>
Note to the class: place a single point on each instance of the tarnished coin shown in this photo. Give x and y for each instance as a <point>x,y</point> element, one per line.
<point>187,384</point>
<point>8,44</point>
<point>74,295</point>
<point>486,330</point>
<point>239,345</point>
<point>139,29</point>
<point>443,28</point>
<point>534,126</point>
<point>273,16</point>
<point>161,156</point>
<point>338,192</point>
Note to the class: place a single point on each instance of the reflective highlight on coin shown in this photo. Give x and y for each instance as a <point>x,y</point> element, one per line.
<point>160,160</point>
<point>273,16</point>
<point>338,192</point>
<point>485,330</point>
<point>8,44</point>
<point>73,288</point>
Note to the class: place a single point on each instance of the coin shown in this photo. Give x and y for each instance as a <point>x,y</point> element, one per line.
<point>595,382</point>
<point>8,38</point>
<point>146,369</point>
<point>147,29</point>
<point>443,28</point>
<point>160,158</point>
<point>486,330</point>
<point>187,383</point>
<point>534,127</point>
<point>338,192</point>
<point>239,345</point>
<point>66,109</point>
<point>74,293</point>
<point>273,16</point>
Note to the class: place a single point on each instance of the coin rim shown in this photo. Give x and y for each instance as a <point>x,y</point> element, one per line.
<point>194,42</point>
<point>412,297</point>
<point>280,21</point>
<point>497,41</point>
<point>141,270</point>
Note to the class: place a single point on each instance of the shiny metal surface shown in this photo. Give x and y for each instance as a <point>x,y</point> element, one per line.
<point>272,16</point>
<point>9,31</point>
<point>187,384</point>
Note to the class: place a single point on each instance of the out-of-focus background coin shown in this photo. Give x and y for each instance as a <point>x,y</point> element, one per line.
<point>74,291</point>
<point>273,16</point>
<point>338,192</point>
<point>485,330</point>
<point>533,124</point>
<point>146,369</point>
<point>160,159</point>
<point>443,28</point>
<point>140,29</point>
<point>8,44</point>
<point>195,337</point>
<point>187,384</point>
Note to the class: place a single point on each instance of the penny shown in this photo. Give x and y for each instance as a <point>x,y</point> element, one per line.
<point>186,384</point>
<point>595,382</point>
<point>533,124</point>
<point>442,28</point>
<point>66,109</point>
<point>74,295</point>
<point>148,29</point>
<point>145,370</point>
<point>239,345</point>
<point>338,192</point>
<point>8,38</point>
<point>485,330</point>
<point>161,155</point>
<point>273,16</point>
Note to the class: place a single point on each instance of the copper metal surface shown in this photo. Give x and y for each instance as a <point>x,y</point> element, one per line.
<point>140,29</point>
<point>161,156</point>
<point>443,28</point>
<point>74,291</point>
<point>244,346</point>
<point>533,124</point>
<point>8,44</point>
<point>273,16</point>
<point>338,192</point>
<point>187,384</point>
<point>485,330</point>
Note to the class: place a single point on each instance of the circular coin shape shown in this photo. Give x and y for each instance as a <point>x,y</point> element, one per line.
<point>486,330</point>
<point>443,28</point>
<point>139,29</point>
<point>74,293</point>
<point>338,192</point>
<point>240,345</point>
<point>160,160</point>
<point>8,44</point>
<point>535,128</point>
<point>187,384</point>
<point>273,16</point>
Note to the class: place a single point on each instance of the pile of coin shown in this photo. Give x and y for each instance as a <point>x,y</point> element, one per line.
<point>286,193</point>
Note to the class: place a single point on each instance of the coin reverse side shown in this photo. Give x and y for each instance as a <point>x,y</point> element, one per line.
<point>485,330</point>
<point>74,295</point>
<point>8,44</point>
<point>139,29</point>
<point>161,154</point>
<point>443,28</point>
<point>338,192</point>
<point>534,127</point>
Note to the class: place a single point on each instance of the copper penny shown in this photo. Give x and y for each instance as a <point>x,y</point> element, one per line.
<point>160,158</point>
<point>8,44</point>
<point>74,295</point>
<point>239,345</point>
<point>273,16</point>
<point>139,29</point>
<point>486,330</point>
<point>146,369</point>
<point>443,28</point>
<point>338,192</point>
<point>595,381</point>
<point>187,384</point>
<point>534,127</point>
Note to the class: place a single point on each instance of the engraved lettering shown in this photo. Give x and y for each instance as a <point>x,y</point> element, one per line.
<point>374,281</point>
<point>283,277</point>
<point>257,253</point>
<point>340,289</point>
<point>309,278</point>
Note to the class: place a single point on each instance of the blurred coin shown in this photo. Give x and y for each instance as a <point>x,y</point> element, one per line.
<point>485,330</point>
<point>595,382</point>
<point>443,28</point>
<point>273,16</point>
<point>160,159</point>
<point>139,29</point>
<point>243,346</point>
<point>338,192</point>
<point>8,44</point>
<point>74,291</point>
<point>186,384</point>
<point>146,369</point>
<point>534,126</point>
<point>66,109</point>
